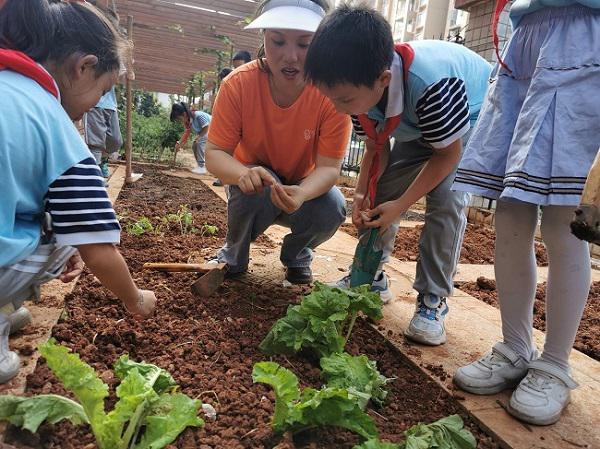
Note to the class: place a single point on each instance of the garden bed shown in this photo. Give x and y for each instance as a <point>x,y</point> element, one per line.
<point>477,248</point>
<point>210,345</point>
<point>588,335</point>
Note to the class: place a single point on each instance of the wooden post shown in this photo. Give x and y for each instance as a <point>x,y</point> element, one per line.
<point>128,83</point>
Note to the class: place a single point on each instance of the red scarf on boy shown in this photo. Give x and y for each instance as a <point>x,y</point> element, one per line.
<point>407,54</point>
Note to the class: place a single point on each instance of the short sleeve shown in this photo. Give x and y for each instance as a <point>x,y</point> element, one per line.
<point>334,133</point>
<point>225,129</point>
<point>80,208</point>
<point>443,112</point>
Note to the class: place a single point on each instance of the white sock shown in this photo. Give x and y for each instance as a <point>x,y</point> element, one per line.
<point>516,274</point>
<point>569,280</point>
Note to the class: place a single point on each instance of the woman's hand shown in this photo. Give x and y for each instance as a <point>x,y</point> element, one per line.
<point>383,215</point>
<point>73,268</point>
<point>254,180</point>
<point>287,198</point>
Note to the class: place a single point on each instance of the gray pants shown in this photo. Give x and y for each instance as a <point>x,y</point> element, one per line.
<point>445,220</point>
<point>21,281</point>
<point>199,149</point>
<point>248,216</point>
<point>102,132</point>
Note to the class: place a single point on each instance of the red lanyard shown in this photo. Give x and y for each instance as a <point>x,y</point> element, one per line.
<point>500,4</point>
<point>407,54</point>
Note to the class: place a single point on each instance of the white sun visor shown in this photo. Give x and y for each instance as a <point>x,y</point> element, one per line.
<point>303,15</point>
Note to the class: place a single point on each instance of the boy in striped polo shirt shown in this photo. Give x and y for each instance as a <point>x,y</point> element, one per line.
<point>427,96</point>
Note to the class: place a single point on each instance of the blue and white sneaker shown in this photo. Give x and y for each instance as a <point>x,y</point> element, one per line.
<point>427,324</point>
<point>381,284</point>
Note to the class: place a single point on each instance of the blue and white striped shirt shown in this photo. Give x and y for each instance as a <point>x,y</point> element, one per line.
<point>80,208</point>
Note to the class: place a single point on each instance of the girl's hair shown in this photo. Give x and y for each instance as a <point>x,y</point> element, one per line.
<point>179,109</point>
<point>50,30</point>
<point>260,54</point>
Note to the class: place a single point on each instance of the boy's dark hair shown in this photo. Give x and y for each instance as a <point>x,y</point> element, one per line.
<point>179,109</point>
<point>224,72</point>
<point>352,45</point>
<point>53,31</point>
<point>242,55</point>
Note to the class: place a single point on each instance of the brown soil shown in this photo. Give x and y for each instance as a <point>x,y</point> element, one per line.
<point>588,337</point>
<point>210,345</point>
<point>477,248</point>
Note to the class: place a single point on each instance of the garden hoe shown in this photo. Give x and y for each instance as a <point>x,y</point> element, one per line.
<point>205,285</point>
<point>586,223</point>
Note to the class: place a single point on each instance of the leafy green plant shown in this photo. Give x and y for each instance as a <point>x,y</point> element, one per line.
<point>446,433</point>
<point>140,227</point>
<point>147,395</point>
<point>184,219</point>
<point>297,410</point>
<point>322,322</point>
<point>358,375</point>
<point>208,230</point>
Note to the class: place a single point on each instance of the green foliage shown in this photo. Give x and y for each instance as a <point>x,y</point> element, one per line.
<point>140,227</point>
<point>358,375</point>
<point>184,219</point>
<point>145,402</point>
<point>446,433</point>
<point>322,322</point>
<point>297,410</point>
<point>208,230</point>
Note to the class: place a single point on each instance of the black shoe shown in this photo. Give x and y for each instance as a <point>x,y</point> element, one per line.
<point>299,275</point>
<point>218,183</point>
<point>228,274</point>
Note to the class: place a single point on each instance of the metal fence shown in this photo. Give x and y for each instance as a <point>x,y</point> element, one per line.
<point>354,155</point>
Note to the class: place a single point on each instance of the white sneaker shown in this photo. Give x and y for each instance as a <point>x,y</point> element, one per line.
<point>427,324</point>
<point>199,170</point>
<point>542,395</point>
<point>381,284</point>
<point>498,370</point>
<point>10,363</point>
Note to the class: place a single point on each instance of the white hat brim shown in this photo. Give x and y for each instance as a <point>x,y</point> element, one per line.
<point>287,18</point>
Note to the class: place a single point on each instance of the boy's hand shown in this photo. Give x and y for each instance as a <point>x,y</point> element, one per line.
<point>143,307</point>
<point>360,204</point>
<point>386,213</point>
<point>73,268</point>
<point>254,179</point>
<point>287,198</point>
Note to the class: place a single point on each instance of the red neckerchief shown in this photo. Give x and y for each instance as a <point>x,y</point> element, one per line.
<point>407,54</point>
<point>23,64</point>
<point>500,4</point>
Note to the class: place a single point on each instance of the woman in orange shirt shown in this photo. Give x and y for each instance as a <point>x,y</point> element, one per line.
<point>278,144</point>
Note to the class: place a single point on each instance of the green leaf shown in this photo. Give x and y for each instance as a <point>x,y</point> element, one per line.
<point>376,444</point>
<point>319,322</point>
<point>334,407</point>
<point>358,375</point>
<point>446,433</point>
<point>82,380</point>
<point>161,379</point>
<point>29,412</point>
<point>365,301</point>
<point>169,416</point>
<point>326,407</point>
<point>135,391</point>
<point>285,385</point>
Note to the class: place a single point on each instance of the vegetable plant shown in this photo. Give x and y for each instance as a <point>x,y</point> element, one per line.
<point>297,410</point>
<point>358,375</point>
<point>323,321</point>
<point>446,433</point>
<point>140,227</point>
<point>184,219</point>
<point>149,413</point>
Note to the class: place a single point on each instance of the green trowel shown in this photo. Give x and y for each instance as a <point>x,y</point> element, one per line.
<point>366,261</point>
